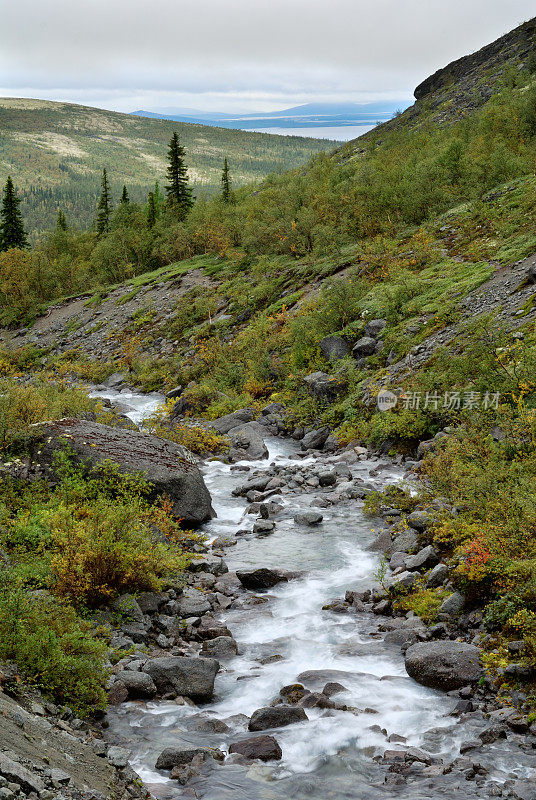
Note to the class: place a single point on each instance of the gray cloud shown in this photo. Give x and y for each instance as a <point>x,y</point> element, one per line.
<point>241,54</point>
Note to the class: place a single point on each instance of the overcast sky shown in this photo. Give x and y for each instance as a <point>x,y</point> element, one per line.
<point>237,55</point>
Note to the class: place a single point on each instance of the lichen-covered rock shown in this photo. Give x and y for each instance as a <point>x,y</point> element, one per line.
<point>169,468</point>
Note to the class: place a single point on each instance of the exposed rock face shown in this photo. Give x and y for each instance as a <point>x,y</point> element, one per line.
<point>515,43</point>
<point>265,748</point>
<point>169,467</point>
<point>334,347</point>
<point>444,665</point>
<point>190,677</point>
<point>276,717</point>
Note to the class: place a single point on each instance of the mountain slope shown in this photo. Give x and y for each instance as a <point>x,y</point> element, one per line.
<point>55,153</point>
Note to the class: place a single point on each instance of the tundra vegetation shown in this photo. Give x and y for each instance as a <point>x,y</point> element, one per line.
<point>400,225</point>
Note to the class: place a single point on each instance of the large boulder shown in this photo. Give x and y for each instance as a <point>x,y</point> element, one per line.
<point>226,423</point>
<point>222,648</point>
<point>375,327</point>
<point>261,578</point>
<point>247,443</point>
<point>169,468</point>
<point>265,748</point>
<point>190,677</point>
<point>179,756</point>
<point>444,665</point>
<point>334,347</point>
<point>315,440</point>
<point>139,685</point>
<point>276,717</point>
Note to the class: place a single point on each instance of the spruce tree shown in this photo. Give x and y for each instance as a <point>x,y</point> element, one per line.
<point>104,207</point>
<point>226,182</point>
<point>12,233</point>
<point>61,223</point>
<point>178,191</point>
<point>125,199</point>
<point>151,210</point>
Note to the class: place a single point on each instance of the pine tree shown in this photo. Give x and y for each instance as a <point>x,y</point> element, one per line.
<point>226,182</point>
<point>125,199</point>
<point>12,233</point>
<point>178,191</point>
<point>61,223</point>
<point>151,210</point>
<point>104,207</point>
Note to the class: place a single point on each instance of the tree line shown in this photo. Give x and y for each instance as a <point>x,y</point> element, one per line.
<point>179,200</point>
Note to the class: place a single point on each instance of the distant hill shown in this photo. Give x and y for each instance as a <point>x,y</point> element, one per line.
<point>55,153</point>
<point>317,114</point>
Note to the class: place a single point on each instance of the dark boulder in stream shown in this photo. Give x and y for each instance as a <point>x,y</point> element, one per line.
<point>276,717</point>
<point>262,578</point>
<point>189,677</point>
<point>168,467</point>
<point>265,748</point>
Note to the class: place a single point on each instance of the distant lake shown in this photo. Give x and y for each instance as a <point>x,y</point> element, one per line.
<point>341,133</point>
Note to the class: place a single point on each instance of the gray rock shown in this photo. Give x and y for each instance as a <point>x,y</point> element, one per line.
<point>444,665</point>
<point>453,604</point>
<point>276,717</point>
<point>179,756</point>
<point>405,579</point>
<point>419,520</point>
<point>324,386</point>
<point>210,564</point>
<point>16,773</point>
<point>273,408</point>
<point>139,685</point>
<point>222,648</point>
<point>424,559</point>
<point>190,677</point>
<point>127,607</point>
<point>224,424</point>
<point>192,604</point>
<point>263,748</point>
<point>375,327</point>
<point>168,467</point>
<point>261,578</point>
<point>315,440</point>
<point>364,347</point>
<point>334,347</point>
<point>247,443</point>
<point>150,602</point>
<point>437,576</point>
<point>118,757</point>
<point>308,518</point>
<point>524,790</point>
<point>405,542</point>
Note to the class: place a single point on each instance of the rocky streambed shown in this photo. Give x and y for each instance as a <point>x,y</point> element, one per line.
<point>286,680</point>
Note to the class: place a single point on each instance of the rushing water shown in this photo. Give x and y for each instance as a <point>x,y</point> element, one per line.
<point>331,755</point>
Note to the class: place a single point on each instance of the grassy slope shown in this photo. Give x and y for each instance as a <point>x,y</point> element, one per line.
<point>55,153</point>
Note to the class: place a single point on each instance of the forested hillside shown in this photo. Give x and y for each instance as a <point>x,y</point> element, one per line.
<point>55,153</point>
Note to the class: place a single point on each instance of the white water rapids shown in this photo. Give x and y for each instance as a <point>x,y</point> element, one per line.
<point>330,755</point>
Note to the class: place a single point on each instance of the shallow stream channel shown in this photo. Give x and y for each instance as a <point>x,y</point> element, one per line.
<point>286,638</point>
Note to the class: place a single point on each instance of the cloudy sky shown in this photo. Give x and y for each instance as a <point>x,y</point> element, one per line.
<point>237,55</point>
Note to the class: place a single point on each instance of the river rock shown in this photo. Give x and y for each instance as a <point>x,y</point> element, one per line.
<point>405,542</point>
<point>419,520</point>
<point>222,647</point>
<point>179,756</point>
<point>308,518</point>
<point>315,440</point>
<point>169,467</point>
<point>224,424</point>
<point>247,443</point>
<point>276,717</point>
<point>192,604</point>
<point>261,578</point>
<point>444,665</point>
<point>264,748</point>
<point>211,564</point>
<point>139,685</point>
<point>190,677</point>
<point>334,347</point>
